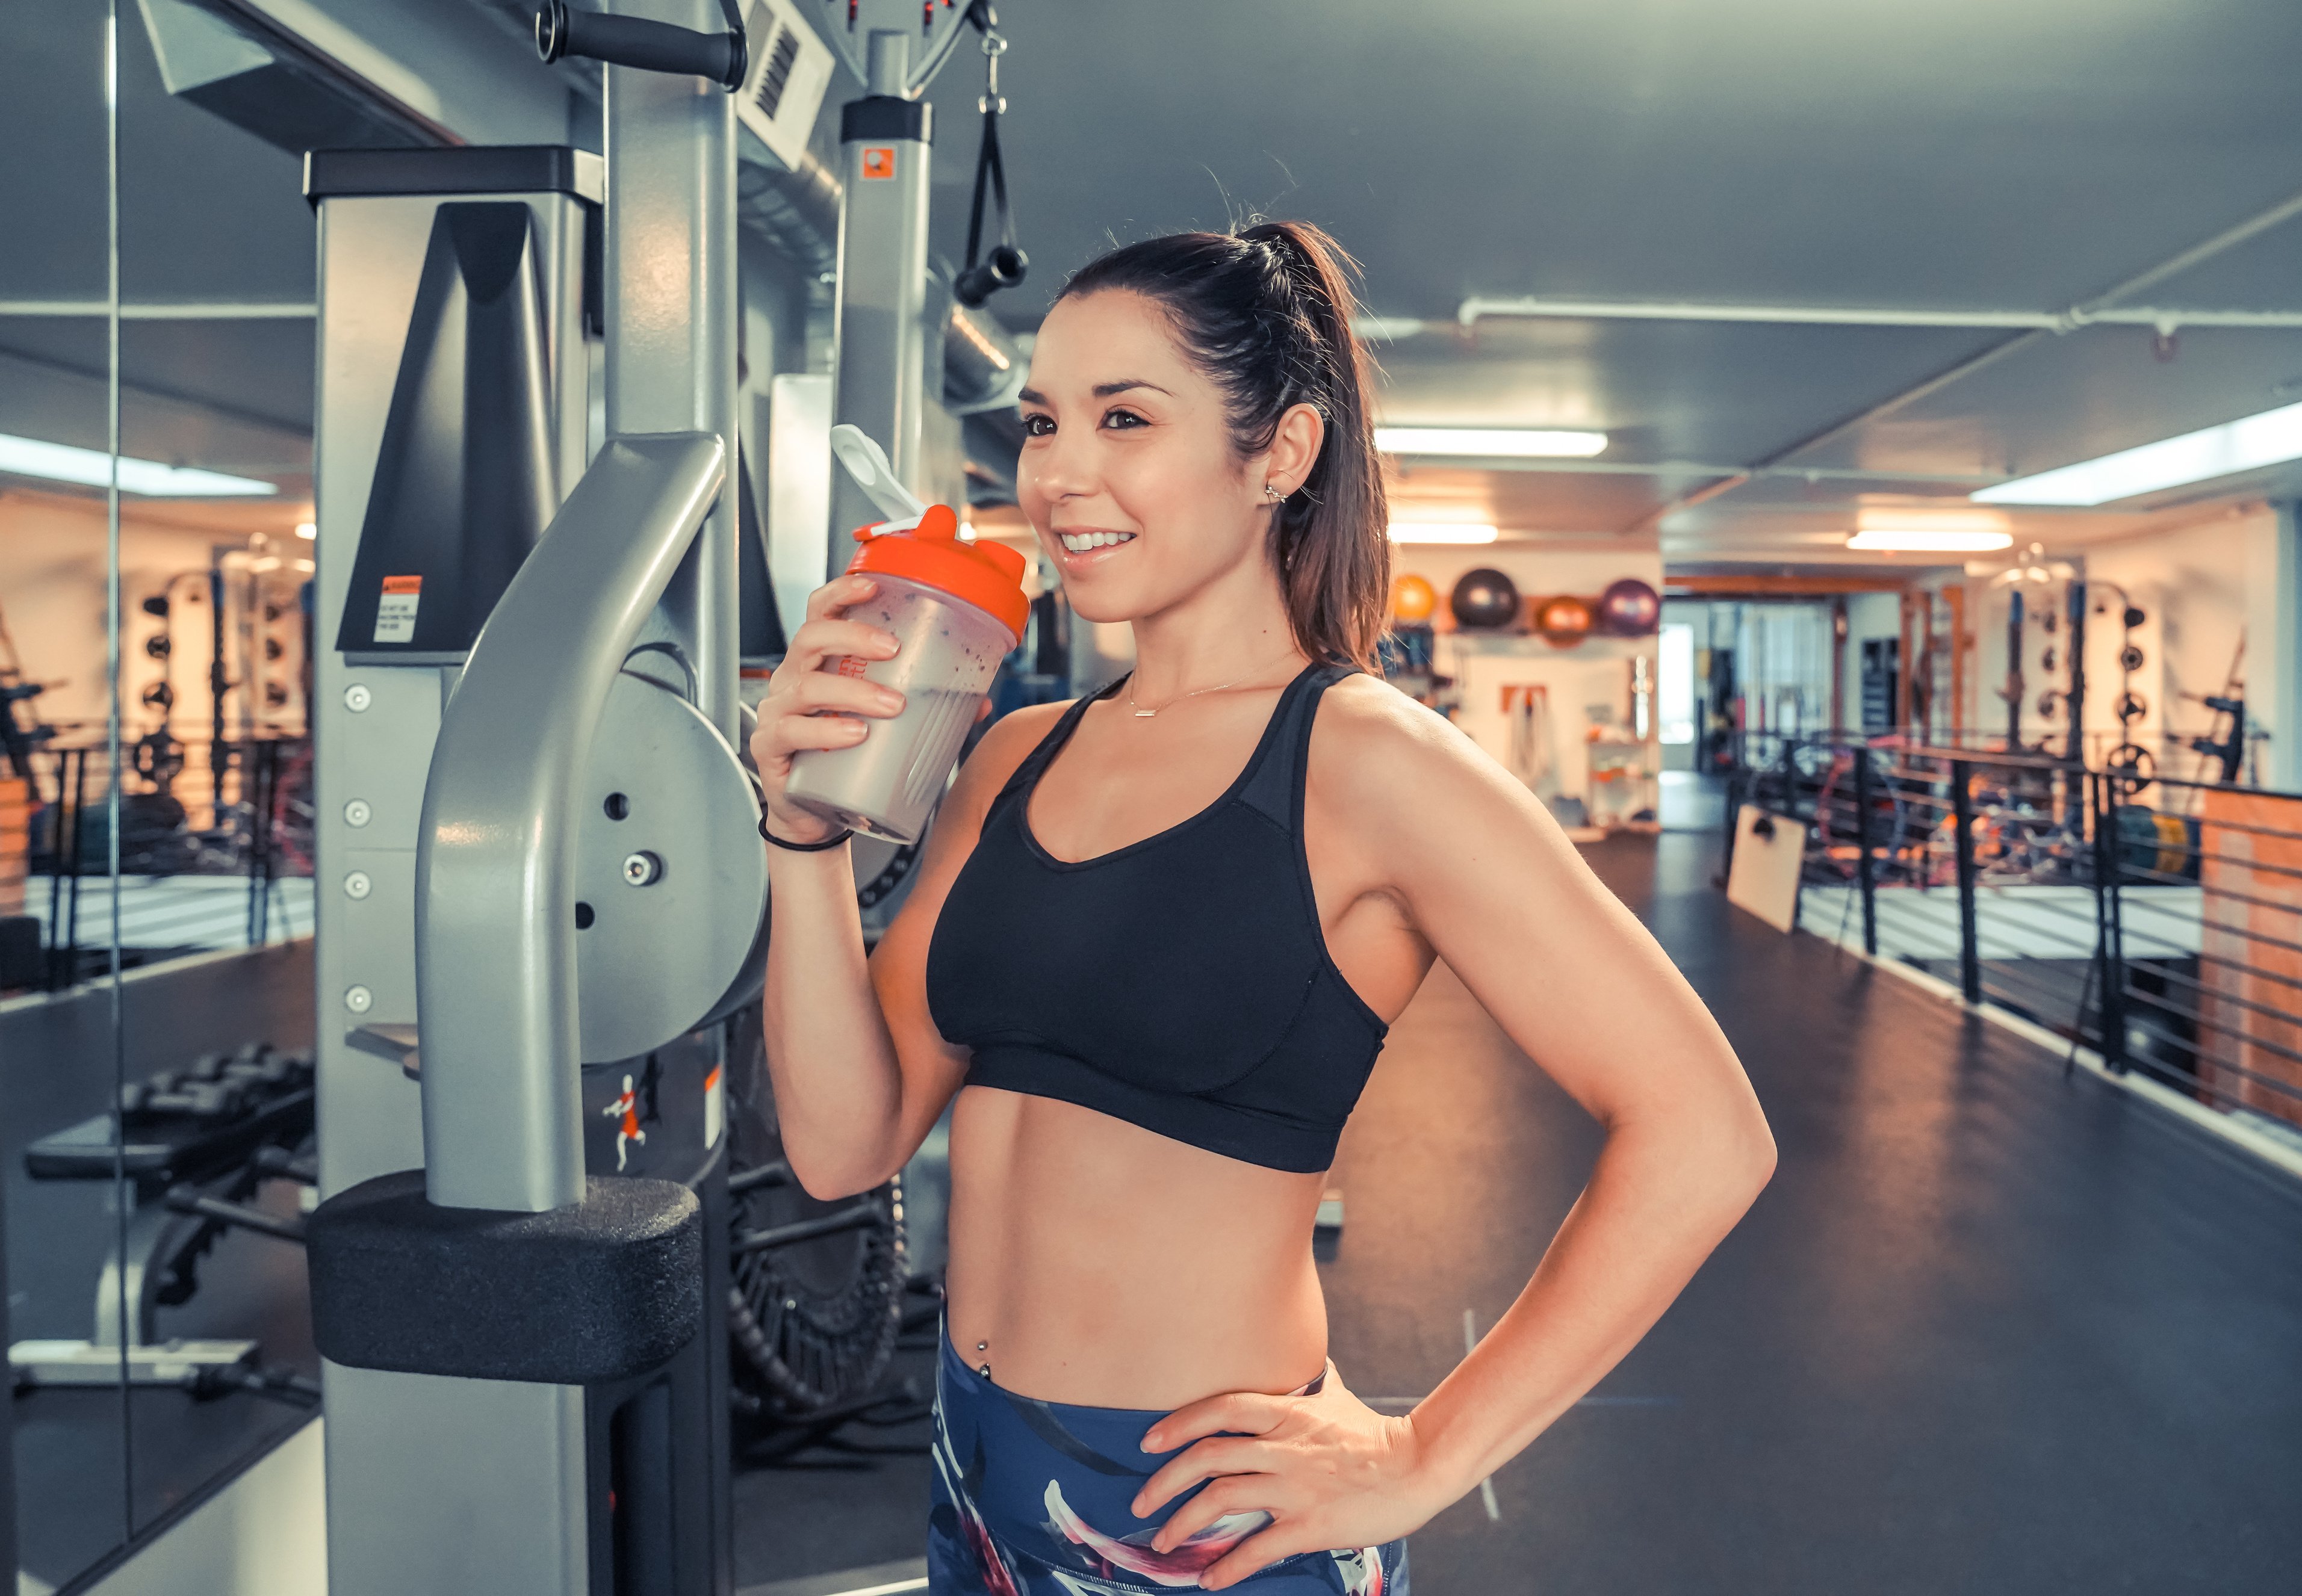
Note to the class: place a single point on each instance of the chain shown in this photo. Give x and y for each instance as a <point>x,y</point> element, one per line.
<point>994,44</point>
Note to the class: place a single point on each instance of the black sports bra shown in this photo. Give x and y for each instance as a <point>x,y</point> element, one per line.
<point>1182,982</point>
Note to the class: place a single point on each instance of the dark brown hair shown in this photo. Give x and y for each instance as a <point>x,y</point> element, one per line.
<point>1266,314</point>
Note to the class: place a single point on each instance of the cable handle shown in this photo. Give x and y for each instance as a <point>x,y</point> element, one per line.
<point>722,58</point>
<point>982,277</point>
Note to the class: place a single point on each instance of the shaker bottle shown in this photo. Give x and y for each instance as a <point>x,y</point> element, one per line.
<point>956,609</point>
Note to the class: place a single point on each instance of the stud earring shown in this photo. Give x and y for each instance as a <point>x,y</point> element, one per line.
<point>1272,492</point>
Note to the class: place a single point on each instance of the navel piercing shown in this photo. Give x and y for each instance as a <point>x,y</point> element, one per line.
<point>983,1346</point>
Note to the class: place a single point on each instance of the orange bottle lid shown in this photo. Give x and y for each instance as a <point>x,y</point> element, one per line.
<point>986,575</point>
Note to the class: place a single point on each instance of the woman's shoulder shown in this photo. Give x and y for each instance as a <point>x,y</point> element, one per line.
<point>1362,717</point>
<point>1007,742</point>
<point>1380,752</point>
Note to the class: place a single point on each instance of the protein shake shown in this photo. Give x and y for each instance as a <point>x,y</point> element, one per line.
<point>956,608</point>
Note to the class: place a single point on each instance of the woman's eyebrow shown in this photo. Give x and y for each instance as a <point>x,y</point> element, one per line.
<point>1032,396</point>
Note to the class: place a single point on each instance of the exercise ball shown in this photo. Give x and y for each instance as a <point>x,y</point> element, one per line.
<point>1629,608</point>
<point>1564,621</point>
<point>1484,598</point>
<point>1413,599</point>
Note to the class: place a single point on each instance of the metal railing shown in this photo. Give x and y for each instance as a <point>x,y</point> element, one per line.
<point>2155,919</point>
<point>202,865</point>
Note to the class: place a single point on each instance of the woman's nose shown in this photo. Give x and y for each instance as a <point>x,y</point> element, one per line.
<point>1062,470</point>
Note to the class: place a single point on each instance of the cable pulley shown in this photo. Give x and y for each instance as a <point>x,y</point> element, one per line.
<point>981,279</point>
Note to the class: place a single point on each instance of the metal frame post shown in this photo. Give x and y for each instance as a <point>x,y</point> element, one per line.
<point>879,376</point>
<point>2075,700</point>
<point>2110,952</point>
<point>1867,866</point>
<point>2015,685</point>
<point>1969,955</point>
<point>670,275</point>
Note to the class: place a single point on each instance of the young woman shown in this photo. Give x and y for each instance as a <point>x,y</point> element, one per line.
<point>1156,941</point>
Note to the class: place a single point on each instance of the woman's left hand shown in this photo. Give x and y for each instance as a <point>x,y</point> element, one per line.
<point>1331,1471</point>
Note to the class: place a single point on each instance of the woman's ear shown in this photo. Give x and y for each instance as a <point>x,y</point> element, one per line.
<point>1295,447</point>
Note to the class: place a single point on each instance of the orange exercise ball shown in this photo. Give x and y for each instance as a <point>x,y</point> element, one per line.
<point>1564,621</point>
<point>1413,599</point>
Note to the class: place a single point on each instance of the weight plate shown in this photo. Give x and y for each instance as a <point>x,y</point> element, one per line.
<point>657,960</point>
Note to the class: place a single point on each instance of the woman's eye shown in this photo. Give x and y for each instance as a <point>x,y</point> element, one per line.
<point>1118,416</point>
<point>1031,428</point>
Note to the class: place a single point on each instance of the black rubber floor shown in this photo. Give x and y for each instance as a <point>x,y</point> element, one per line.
<point>1990,1328</point>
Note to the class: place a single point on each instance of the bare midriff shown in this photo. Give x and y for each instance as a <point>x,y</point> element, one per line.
<point>1110,1266</point>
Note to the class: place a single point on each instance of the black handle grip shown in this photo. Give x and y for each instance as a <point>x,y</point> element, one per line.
<point>1003,268</point>
<point>637,42</point>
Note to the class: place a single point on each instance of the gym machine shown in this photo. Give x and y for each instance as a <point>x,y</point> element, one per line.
<point>541,900</point>
<point>199,1143</point>
<point>535,851</point>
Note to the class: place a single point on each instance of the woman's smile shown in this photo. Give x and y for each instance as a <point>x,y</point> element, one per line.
<point>1090,546</point>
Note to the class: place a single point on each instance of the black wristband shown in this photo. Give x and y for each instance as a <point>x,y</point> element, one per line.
<point>832,841</point>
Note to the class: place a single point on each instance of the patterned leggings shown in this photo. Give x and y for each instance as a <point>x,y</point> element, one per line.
<point>1030,1499</point>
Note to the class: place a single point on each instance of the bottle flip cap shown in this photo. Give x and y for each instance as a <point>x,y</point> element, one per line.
<point>988,575</point>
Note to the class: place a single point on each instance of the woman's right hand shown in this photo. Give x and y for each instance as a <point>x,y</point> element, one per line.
<point>789,717</point>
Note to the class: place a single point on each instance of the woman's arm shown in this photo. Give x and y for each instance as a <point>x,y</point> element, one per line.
<point>1493,883</point>
<point>856,1067</point>
<point>860,1072</point>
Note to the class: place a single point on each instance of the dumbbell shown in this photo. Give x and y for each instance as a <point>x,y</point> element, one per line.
<point>208,1066</point>
<point>169,1094</point>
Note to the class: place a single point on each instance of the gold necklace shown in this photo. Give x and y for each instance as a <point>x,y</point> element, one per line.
<point>1143,714</point>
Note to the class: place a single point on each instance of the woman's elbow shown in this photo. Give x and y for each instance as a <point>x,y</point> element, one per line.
<point>1728,1140</point>
<point>1746,1149</point>
<point>1759,1152</point>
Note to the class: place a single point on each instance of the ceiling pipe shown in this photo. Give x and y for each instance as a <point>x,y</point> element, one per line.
<point>1478,307</point>
<point>1561,465</point>
<point>166,310</point>
<point>2197,255</point>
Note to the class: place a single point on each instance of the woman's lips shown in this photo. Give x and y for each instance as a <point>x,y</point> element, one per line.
<point>1070,560</point>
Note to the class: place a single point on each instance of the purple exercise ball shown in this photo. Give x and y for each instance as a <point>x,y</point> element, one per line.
<point>1629,608</point>
<point>1484,598</point>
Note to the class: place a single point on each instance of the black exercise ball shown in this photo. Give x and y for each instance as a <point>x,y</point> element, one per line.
<point>1484,598</point>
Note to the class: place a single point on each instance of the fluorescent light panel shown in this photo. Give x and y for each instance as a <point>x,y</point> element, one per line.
<point>2247,444</point>
<point>1440,532</point>
<point>1515,442</point>
<point>92,468</point>
<point>1928,540</point>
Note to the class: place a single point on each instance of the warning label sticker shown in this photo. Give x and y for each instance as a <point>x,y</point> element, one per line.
<point>878,160</point>
<point>395,610</point>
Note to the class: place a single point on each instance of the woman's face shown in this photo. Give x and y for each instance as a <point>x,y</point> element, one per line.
<point>1125,445</point>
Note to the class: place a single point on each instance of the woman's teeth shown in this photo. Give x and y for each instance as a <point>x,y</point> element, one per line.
<point>1081,542</point>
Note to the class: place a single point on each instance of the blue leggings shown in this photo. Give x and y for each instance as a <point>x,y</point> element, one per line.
<point>1030,1499</point>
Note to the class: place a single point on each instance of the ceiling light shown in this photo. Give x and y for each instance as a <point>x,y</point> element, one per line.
<point>92,468</point>
<point>306,529</point>
<point>1515,441</point>
<point>2247,444</point>
<point>1440,532</point>
<point>1929,540</point>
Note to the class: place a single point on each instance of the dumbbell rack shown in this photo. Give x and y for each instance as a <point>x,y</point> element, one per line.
<point>229,1116</point>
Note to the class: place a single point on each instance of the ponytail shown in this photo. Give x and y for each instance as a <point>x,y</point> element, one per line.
<point>1267,315</point>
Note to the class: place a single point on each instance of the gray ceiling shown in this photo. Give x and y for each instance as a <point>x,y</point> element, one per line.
<point>1963,154</point>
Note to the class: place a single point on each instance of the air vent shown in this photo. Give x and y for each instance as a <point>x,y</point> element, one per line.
<point>790,73</point>
<point>781,54</point>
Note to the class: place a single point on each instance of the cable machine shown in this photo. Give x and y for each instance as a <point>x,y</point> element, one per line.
<point>542,903</point>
